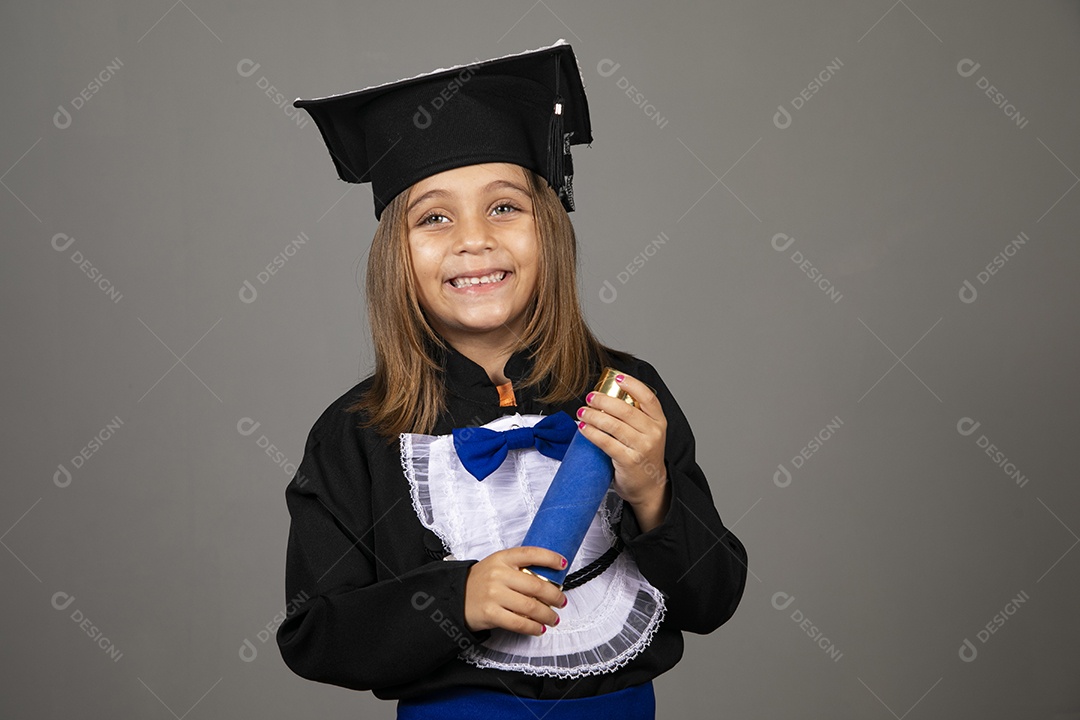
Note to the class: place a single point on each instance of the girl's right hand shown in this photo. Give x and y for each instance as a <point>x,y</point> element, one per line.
<point>499,594</point>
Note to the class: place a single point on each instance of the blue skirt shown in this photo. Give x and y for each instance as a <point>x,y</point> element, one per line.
<point>467,703</point>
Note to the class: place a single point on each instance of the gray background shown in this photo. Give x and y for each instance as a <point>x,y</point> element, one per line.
<point>899,180</point>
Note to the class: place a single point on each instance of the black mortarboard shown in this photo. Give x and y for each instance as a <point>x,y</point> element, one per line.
<point>526,109</point>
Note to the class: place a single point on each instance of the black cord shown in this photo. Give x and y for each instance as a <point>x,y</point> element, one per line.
<point>593,569</point>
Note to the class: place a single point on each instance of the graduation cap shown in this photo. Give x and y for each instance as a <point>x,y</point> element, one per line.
<point>526,109</point>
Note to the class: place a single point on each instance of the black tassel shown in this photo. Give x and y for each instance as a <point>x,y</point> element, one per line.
<point>558,150</point>
<point>556,167</point>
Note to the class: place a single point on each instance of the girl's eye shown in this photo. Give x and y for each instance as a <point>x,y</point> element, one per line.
<point>432,219</point>
<point>504,208</point>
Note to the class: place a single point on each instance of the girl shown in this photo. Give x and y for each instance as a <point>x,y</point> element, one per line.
<point>403,567</point>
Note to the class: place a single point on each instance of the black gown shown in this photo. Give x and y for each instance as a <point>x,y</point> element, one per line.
<point>358,557</point>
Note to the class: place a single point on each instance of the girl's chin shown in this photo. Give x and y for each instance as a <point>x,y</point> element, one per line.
<point>479,328</point>
<point>494,325</point>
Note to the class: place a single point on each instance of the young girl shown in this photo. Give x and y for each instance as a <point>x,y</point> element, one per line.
<point>404,570</point>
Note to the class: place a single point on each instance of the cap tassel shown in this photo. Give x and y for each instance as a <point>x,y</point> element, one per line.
<point>558,149</point>
<point>555,155</point>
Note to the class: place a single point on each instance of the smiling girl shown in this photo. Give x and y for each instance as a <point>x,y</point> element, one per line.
<point>411,565</point>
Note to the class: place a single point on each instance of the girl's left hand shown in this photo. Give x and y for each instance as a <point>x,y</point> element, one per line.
<point>633,437</point>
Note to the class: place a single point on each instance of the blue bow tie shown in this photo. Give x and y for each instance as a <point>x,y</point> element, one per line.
<point>483,450</point>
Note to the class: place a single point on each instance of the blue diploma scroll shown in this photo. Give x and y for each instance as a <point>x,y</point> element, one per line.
<point>570,504</point>
<point>575,492</point>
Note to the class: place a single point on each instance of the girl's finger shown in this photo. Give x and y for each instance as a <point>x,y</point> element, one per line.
<point>605,405</point>
<point>610,445</point>
<point>529,585</point>
<point>516,623</point>
<point>643,395</point>
<point>526,555</point>
<point>606,420</point>
<point>532,609</point>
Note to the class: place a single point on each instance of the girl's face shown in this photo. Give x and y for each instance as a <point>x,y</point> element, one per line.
<point>474,250</point>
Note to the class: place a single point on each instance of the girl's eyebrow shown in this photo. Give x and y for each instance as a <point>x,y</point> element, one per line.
<point>425,196</point>
<point>500,184</point>
<point>493,185</point>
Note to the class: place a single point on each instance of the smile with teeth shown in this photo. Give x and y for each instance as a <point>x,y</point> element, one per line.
<point>462,282</point>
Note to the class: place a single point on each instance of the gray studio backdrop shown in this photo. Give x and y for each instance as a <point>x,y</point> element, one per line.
<point>843,232</point>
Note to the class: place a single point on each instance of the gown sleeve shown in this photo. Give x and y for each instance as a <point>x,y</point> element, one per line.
<point>697,563</point>
<point>354,621</point>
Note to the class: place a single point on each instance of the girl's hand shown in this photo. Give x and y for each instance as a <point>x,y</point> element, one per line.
<point>499,594</point>
<point>634,439</point>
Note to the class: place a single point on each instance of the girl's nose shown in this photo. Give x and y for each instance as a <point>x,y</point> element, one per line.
<point>474,233</point>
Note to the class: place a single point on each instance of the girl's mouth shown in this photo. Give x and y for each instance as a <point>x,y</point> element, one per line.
<point>483,283</point>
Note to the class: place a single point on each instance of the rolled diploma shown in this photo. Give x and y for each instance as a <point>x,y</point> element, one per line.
<point>570,504</point>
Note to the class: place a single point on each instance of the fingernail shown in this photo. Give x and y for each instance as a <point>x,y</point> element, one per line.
<point>619,378</point>
<point>557,619</point>
<point>564,562</point>
<point>565,600</point>
<point>543,629</point>
<point>589,397</point>
<point>580,412</point>
<point>581,425</point>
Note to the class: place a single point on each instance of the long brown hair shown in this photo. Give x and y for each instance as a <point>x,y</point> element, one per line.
<point>407,394</point>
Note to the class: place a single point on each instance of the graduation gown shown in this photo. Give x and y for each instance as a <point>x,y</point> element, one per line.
<point>371,606</point>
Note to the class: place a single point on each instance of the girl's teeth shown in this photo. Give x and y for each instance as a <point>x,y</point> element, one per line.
<point>494,277</point>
